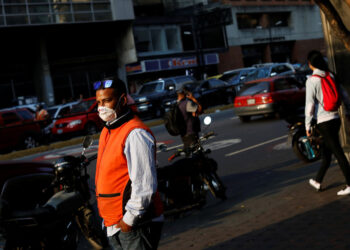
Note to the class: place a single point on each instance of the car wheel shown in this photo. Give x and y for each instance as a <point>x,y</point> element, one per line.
<point>90,129</point>
<point>29,141</point>
<point>245,118</point>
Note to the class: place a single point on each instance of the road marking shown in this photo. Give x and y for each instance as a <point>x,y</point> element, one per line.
<point>282,146</point>
<point>257,145</point>
<point>222,144</point>
<point>213,146</point>
<point>234,118</point>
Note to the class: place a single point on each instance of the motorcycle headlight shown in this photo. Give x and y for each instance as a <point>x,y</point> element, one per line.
<point>73,123</point>
<point>65,168</point>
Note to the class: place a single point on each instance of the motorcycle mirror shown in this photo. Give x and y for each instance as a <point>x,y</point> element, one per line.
<point>87,141</point>
<point>207,120</point>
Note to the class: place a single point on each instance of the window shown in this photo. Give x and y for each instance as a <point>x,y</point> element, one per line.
<point>254,88</point>
<point>82,106</point>
<point>279,69</point>
<point>184,79</point>
<point>214,83</point>
<point>281,84</point>
<point>172,40</point>
<point>10,117</point>
<point>248,20</point>
<point>169,85</point>
<point>294,83</point>
<point>151,87</point>
<point>205,85</point>
<point>230,76</point>
<point>64,111</point>
<point>25,114</point>
<point>142,40</point>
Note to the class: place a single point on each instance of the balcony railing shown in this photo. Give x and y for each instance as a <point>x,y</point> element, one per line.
<point>34,12</point>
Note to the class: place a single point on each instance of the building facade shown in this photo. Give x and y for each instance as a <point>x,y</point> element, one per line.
<point>176,41</point>
<point>260,31</point>
<point>55,49</point>
<point>271,31</point>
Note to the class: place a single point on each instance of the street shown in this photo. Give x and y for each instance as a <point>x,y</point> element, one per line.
<point>270,204</point>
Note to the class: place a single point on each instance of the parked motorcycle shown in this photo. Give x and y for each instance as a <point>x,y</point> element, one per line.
<point>183,185</point>
<point>306,149</point>
<point>46,207</point>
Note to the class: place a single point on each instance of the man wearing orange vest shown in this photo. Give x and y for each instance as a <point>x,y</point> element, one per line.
<point>126,180</point>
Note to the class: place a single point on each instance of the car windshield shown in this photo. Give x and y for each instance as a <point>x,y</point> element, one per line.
<point>192,86</point>
<point>151,87</point>
<point>254,88</point>
<point>230,77</point>
<point>82,106</point>
<point>52,111</point>
<point>257,74</point>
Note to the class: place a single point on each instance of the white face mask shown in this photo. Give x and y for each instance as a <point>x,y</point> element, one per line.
<point>107,114</point>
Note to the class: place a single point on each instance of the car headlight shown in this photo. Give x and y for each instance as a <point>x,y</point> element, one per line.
<point>74,123</point>
<point>142,99</point>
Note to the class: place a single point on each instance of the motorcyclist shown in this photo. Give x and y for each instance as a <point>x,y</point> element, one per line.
<point>190,109</point>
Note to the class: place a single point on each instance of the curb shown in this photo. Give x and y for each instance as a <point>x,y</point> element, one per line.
<point>79,140</point>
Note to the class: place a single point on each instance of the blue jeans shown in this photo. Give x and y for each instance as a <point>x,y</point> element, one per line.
<point>143,238</point>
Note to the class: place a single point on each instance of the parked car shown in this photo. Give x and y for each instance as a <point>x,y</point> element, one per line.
<point>236,77</point>
<point>208,92</point>
<point>275,95</point>
<point>266,70</point>
<point>151,95</point>
<point>59,111</point>
<point>82,119</point>
<point>18,130</point>
<point>214,92</point>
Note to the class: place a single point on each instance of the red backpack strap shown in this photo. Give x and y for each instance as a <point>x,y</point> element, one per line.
<point>318,76</point>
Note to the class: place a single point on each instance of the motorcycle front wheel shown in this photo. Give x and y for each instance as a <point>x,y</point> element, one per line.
<point>215,185</point>
<point>91,229</point>
<point>300,151</point>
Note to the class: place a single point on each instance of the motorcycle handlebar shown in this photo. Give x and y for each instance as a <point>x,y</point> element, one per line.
<point>209,134</point>
<point>92,158</point>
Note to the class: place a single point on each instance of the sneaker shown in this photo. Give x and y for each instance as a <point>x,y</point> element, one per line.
<point>315,184</point>
<point>345,191</point>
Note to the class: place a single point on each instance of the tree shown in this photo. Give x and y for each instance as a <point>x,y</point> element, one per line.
<point>335,20</point>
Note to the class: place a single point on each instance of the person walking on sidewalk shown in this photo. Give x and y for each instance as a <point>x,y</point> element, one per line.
<point>328,122</point>
<point>190,109</point>
<point>126,180</point>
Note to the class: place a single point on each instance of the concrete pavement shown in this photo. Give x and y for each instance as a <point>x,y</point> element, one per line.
<point>273,208</point>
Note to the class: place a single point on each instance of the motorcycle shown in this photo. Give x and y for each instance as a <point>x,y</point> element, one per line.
<point>183,185</point>
<point>45,208</point>
<point>306,149</point>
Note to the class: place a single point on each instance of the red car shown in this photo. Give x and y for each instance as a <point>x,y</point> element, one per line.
<point>275,95</point>
<point>18,130</point>
<point>83,118</point>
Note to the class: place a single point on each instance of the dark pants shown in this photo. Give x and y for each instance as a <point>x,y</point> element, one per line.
<point>146,237</point>
<point>188,141</point>
<point>331,145</point>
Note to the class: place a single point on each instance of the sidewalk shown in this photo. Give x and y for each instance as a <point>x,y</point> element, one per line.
<point>277,209</point>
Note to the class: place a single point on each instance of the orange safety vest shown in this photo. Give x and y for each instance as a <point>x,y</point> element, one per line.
<point>113,185</point>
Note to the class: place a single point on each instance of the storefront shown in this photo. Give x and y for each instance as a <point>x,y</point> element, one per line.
<point>148,70</point>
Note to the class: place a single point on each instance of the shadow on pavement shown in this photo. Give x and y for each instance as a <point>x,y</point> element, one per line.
<point>269,208</point>
<point>323,228</point>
